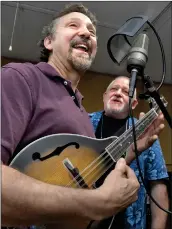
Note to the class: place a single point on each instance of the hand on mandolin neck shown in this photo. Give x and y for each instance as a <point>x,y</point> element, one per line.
<point>147,138</point>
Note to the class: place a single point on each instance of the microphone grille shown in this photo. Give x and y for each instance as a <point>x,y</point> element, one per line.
<point>141,41</point>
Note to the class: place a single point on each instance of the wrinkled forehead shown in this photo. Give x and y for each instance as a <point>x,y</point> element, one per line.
<point>120,81</point>
<point>75,16</point>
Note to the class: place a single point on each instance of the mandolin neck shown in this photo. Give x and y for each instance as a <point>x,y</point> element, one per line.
<point>119,146</point>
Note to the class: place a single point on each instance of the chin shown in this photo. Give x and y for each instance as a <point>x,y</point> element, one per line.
<point>117,109</point>
<point>81,65</point>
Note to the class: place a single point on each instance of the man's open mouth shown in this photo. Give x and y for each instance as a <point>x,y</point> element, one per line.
<point>82,47</point>
<point>116,101</point>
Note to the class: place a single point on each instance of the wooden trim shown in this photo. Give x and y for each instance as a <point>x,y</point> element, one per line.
<point>169,167</point>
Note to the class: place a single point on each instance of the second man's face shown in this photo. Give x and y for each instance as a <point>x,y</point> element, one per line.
<point>116,99</point>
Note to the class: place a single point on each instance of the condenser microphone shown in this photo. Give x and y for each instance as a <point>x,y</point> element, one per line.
<point>137,59</point>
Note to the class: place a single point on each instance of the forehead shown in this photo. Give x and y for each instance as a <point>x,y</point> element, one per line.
<point>121,81</point>
<point>75,16</point>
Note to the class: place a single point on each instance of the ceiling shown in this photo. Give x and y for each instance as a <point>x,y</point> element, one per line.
<point>32,16</point>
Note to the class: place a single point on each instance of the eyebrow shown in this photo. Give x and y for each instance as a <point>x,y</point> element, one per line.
<point>88,24</point>
<point>117,85</point>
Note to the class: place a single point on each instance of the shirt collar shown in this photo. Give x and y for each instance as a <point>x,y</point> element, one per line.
<point>47,69</point>
<point>50,72</point>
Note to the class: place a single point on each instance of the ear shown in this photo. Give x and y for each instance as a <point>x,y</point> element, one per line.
<point>134,103</point>
<point>48,43</point>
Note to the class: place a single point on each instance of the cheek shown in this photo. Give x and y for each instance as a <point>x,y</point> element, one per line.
<point>126,100</point>
<point>64,40</point>
<point>67,38</point>
<point>126,104</point>
<point>94,45</point>
<point>61,46</point>
<point>106,99</point>
<point>111,94</point>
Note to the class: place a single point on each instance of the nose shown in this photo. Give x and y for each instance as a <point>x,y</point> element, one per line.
<point>118,92</point>
<point>84,32</point>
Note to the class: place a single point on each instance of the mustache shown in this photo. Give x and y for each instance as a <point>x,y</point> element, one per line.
<point>115,98</point>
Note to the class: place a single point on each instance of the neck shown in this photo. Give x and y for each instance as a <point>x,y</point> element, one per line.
<point>67,73</point>
<point>116,116</point>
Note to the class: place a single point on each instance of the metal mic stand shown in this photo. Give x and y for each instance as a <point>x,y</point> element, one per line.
<point>151,90</point>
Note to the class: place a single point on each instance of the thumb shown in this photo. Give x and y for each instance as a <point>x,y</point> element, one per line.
<point>121,166</point>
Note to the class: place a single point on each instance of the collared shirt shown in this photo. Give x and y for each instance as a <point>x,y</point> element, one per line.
<point>37,102</point>
<point>153,167</point>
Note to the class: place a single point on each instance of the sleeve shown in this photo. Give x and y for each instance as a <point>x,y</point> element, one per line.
<point>155,166</point>
<point>16,109</point>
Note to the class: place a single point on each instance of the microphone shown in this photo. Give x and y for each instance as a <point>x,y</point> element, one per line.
<point>137,59</point>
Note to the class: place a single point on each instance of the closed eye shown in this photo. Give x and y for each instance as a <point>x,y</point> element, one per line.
<point>73,25</point>
<point>92,32</point>
<point>114,89</point>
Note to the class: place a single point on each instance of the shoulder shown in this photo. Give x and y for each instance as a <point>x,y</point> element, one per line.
<point>95,118</point>
<point>20,69</point>
<point>22,72</point>
<point>95,115</point>
<point>130,121</point>
<point>21,77</point>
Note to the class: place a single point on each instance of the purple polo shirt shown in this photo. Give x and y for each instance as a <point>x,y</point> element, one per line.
<point>37,102</point>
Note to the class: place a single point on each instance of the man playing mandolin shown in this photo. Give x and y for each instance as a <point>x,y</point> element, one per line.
<point>42,99</point>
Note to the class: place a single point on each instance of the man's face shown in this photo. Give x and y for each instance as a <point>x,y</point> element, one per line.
<point>75,41</point>
<point>116,99</point>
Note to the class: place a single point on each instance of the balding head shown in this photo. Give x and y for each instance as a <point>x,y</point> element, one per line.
<point>122,77</point>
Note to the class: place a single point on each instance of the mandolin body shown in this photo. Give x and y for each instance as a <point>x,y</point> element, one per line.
<point>81,153</point>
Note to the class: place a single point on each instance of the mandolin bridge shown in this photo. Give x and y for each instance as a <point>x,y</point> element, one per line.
<point>75,173</point>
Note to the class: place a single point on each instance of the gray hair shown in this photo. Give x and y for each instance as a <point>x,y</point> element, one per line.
<point>110,85</point>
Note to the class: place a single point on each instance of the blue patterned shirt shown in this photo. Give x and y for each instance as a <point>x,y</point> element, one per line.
<point>153,167</point>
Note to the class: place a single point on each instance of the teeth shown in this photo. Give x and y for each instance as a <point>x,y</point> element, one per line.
<point>82,46</point>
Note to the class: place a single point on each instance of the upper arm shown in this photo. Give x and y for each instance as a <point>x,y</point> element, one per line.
<point>155,166</point>
<point>16,109</point>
